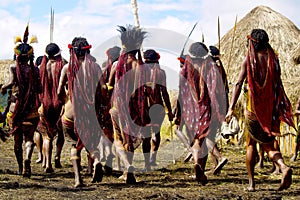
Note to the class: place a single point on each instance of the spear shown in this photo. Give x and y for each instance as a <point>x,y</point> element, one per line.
<point>231,48</point>
<point>181,54</point>
<point>51,25</point>
<point>219,35</point>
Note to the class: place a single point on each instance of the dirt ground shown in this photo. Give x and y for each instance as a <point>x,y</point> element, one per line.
<point>168,181</point>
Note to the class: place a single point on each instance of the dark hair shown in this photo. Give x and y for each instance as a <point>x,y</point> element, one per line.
<point>151,55</point>
<point>52,49</point>
<point>114,53</point>
<point>38,60</point>
<point>260,39</point>
<point>198,49</point>
<point>214,51</point>
<point>78,43</point>
<point>23,52</point>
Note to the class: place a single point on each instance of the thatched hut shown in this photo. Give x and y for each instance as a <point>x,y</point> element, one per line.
<point>4,70</point>
<point>284,38</point>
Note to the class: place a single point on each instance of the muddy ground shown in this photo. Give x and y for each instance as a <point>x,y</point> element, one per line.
<point>168,181</point>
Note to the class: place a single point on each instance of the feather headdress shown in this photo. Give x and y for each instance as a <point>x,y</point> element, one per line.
<point>19,42</point>
<point>131,37</point>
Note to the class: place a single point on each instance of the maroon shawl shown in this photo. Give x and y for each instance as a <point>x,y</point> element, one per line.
<point>50,101</point>
<point>202,95</point>
<point>29,85</point>
<point>130,98</point>
<point>270,103</point>
<point>84,81</point>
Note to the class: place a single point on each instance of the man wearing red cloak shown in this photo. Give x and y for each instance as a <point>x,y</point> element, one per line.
<point>267,104</point>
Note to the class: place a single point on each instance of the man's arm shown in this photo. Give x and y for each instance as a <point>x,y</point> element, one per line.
<point>112,75</point>
<point>165,95</point>
<point>236,91</point>
<point>62,80</point>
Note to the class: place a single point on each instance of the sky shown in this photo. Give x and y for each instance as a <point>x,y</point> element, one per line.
<point>167,21</point>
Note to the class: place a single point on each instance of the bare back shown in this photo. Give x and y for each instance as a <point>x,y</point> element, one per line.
<point>262,64</point>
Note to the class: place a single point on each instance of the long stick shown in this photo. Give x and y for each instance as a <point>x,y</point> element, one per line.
<point>231,48</point>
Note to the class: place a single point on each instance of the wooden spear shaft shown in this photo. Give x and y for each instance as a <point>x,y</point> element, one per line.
<point>232,41</point>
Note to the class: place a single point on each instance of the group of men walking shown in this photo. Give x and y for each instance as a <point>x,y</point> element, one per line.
<point>125,102</point>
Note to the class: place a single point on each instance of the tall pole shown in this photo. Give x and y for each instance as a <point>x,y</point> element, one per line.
<point>135,13</point>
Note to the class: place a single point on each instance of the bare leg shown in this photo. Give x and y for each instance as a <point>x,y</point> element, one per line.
<point>293,159</point>
<point>90,166</point>
<point>47,149</point>
<point>183,138</point>
<point>75,158</point>
<point>29,145</point>
<point>127,158</point>
<point>250,162</point>
<point>146,145</point>
<point>155,142</point>
<point>38,140</point>
<point>275,168</point>
<point>261,156</point>
<point>199,171</point>
<point>102,151</point>
<point>275,155</point>
<point>109,155</point>
<point>59,145</point>
<point>214,160</point>
<point>186,143</point>
<point>97,172</point>
<point>28,154</point>
<point>118,161</point>
<point>18,140</point>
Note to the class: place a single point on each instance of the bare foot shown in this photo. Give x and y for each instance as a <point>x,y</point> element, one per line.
<point>200,176</point>
<point>108,170</point>
<point>98,173</point>
<point>49,170</point>
<point>275,170</point>
<point>250,189</point>
<point>188,157</point>
<point>286,180</point>
<point>57,163</point>
<point>40,160</point>
<point>79,184</point>
<point>122,177</point>
<point>27,169</point>
<point>129,178</point>
<point>220,166</point>
<point>294,158</point>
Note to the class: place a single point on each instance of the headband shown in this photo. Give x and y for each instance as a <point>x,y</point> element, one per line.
<point>252,39</point>
<point>82,48</point>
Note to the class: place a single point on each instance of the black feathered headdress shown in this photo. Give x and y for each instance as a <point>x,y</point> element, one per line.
<point>131,37</point>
